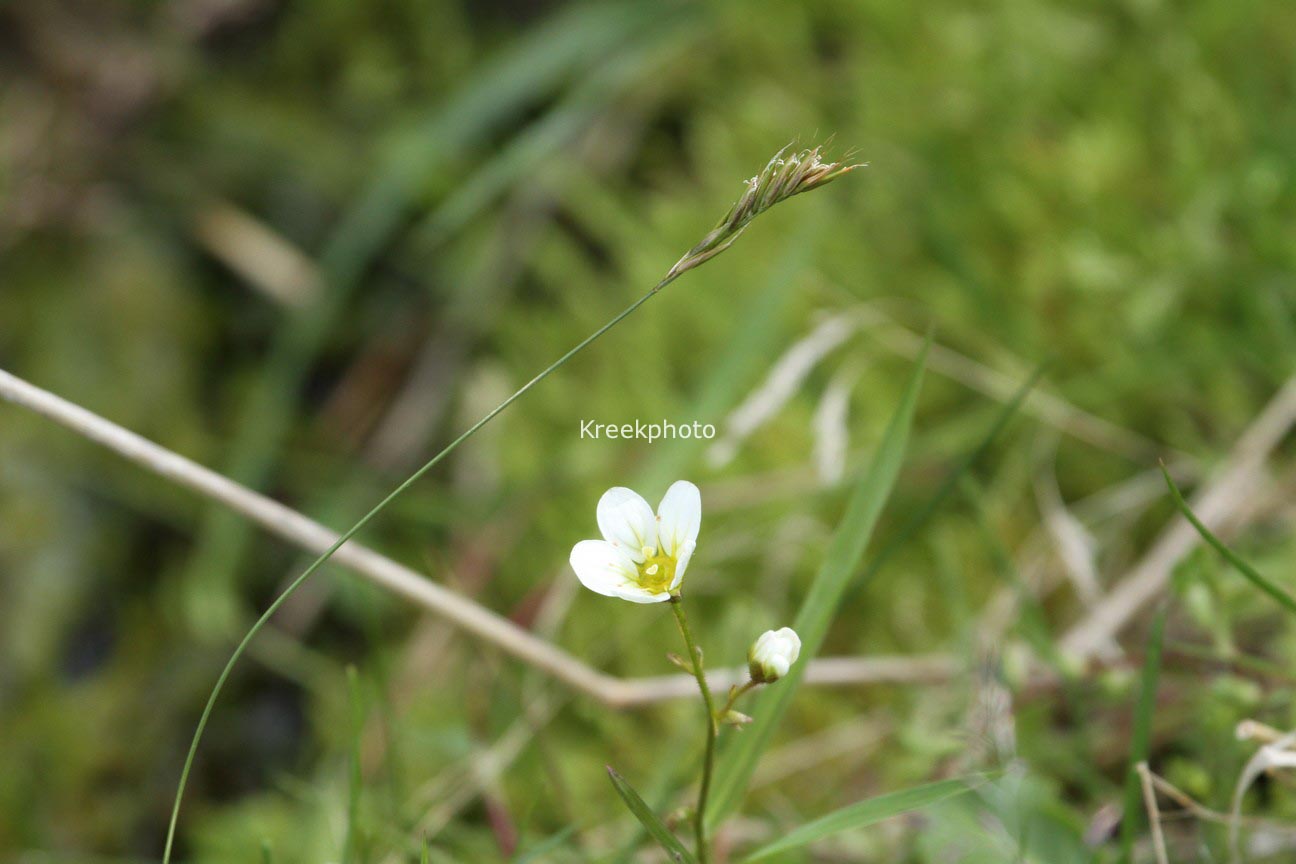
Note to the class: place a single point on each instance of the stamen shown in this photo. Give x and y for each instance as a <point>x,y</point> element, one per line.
<point>657,571</point>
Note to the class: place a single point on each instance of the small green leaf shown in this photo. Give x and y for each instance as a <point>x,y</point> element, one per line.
<point>863,814</point>
<point>649,820</point>
<point>1284,599</point>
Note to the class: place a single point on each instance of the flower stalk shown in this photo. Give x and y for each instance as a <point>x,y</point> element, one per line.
<point>785,644</point>
<point>712,728</point>
<point>736,692</point>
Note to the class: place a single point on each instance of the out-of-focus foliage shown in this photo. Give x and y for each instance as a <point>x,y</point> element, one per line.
<point>306,243</point>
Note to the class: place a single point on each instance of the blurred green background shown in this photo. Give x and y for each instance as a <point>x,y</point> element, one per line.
<point>306,244</point>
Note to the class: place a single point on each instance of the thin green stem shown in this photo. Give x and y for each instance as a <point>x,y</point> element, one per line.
<point>735,693</point>
<point>351,532</point>
<point>708,763</point>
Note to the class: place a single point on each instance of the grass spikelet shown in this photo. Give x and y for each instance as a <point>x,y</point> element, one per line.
<point>785,175</point>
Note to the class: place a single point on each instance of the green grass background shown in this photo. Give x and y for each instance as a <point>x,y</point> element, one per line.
<point>1108,187</point>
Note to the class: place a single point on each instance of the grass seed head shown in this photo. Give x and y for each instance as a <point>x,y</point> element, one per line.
<point>785,175</point>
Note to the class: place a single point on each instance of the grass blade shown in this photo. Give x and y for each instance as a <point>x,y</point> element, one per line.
<point>1132,818</point>
<point>1252,575</point>
<point>863,814</point>
<point>842,561</point>
<point>649,820</point>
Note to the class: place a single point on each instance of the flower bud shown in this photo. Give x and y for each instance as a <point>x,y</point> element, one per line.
<point>772,655</point>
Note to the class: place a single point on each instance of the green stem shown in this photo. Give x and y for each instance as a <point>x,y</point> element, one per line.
<point>695,659</point>
<point>734,695</point>
<point>351,532</point>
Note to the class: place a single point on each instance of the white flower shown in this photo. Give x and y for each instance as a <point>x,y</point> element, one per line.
<point>641,557</point>
<point>772,654</point>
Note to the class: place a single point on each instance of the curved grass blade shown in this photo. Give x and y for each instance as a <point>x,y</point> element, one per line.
<point>863,814</point>
<point>1252,575</point>
<point>649,820</point>
<point>841,562</point>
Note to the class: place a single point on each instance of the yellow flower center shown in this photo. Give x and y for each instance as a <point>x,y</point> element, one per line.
<point>657,571</point>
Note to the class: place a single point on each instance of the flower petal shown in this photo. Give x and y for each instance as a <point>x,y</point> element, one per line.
<point>606,569</point>
<point>603,568</point>
<point>682,556</point>
<point>792,643</point>
<point>679,516</point>
<point>635,594</point>
<point>627,521</point>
